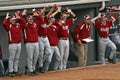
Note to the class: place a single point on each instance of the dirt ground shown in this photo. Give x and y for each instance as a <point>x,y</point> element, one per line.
<point>97,72</point>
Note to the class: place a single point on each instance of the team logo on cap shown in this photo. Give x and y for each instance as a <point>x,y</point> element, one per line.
<point>29,17</point>
<point>86,16</point>
<point>103,15</point>
<point>12,17</point>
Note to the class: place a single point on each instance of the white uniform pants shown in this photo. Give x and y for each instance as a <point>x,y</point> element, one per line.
<point>103,42</point>
<point>32,55</point>
<point>55,50</point>
<point>14,54</point>
<point>45,52</point>
<point>64,52</point>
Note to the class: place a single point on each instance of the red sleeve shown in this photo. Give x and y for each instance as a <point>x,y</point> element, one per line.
<point>76,33</point>
<point>38,17</point>
<point>21,15</point>
<point>46,17</point>
<point>57,25</point>
<point>70,22</point>
<point>22,22</point>
<point>36,27</point>
<point>97,24</point>
<point>6,24</point>
<point>110,23</point>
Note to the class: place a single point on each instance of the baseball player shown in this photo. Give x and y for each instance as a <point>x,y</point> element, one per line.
<point>31,40</point>
<point>53,39</point>
<point>64,26</point>
<point>103,29</point>
<point>82,31</point>
<point>44,45</point>
<point>14,30</point>
<point>53,30</point>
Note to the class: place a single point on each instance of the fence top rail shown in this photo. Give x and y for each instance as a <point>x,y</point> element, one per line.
<point>32,4</point>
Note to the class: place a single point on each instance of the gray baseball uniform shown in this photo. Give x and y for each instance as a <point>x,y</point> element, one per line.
<point>103,30</point>
<point>45,52</point>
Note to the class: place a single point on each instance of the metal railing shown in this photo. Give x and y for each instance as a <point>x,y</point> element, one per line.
<point>25,4</point>
<point>20,2</point>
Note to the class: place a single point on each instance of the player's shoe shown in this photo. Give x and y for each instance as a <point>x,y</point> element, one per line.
<point>32,73</point>
<point>17,74</point>
<point>41,70</point>
<point>11,74</point>
<point>35,72</point>
<point>112,61</point>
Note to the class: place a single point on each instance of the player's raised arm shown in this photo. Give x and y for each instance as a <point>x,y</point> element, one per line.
<point>113,19</point>
<point>56,12</point>
<point>43,10</point>
<point>97,17</point>
<point>21,20</point>
<point>72,14</point>
<point>34,11</point>
<point>5,21</point>
<point>24,13</point>
<point>51,10</point>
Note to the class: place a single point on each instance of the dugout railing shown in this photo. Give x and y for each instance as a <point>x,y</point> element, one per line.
<point>22,4</point>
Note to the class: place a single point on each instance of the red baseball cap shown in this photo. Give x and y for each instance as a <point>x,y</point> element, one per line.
<point>13,17</point>
<point>103,15</point>
<point>19,13</point>
<point>56,5</point>
<point>86,16</point>
<point>29,17</point>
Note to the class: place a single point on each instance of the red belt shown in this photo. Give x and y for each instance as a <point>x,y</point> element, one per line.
<point>43,36</point>
<point>63,38</point>
<point>103,37</point>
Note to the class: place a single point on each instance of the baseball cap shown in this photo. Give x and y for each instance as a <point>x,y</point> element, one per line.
<point>29,17</point>
<point>66,10</point>
<point>13,17</point>
<point>56,5</point>
<point>19,13</point>
<point>86,16</point>
<point>103,15</point>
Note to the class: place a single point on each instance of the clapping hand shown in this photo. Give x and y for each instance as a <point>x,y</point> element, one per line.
<point>7,15</point>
